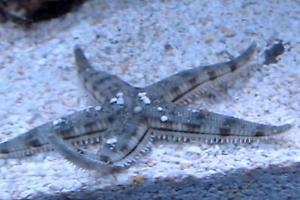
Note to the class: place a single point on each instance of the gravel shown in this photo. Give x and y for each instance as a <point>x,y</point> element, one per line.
<point>273,182</point>
<point>143,42</point>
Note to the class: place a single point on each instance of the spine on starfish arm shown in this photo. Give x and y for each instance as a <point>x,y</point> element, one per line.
<point>115,154</point>
<point>180,124</point>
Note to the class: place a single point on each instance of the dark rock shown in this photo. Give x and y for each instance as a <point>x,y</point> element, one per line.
<point>274,182</point>
<point>272,53</point>
<point>26,12</point>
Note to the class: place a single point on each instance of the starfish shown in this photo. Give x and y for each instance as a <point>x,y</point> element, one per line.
<point>130,118</point>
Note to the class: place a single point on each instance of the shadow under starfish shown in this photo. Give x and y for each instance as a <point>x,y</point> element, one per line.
<point>131,118</point>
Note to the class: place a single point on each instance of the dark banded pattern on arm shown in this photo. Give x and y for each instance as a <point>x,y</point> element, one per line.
<point>86,126</point>
<point>180,123</point>
<point>102,85</point>
<point>110,157</point>
<point>79,157</point>
<point>179,86</point>
<point>131,139</point>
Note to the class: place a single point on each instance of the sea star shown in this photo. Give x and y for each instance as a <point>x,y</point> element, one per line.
<point>131,118</point>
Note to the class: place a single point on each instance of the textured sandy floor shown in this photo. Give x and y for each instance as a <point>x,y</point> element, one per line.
<point>142,42</point>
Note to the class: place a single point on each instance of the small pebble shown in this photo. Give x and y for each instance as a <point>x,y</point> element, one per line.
<point>195,149</point>
<point>138,179</point>
<point>185,165</point>
<point>42,61</point>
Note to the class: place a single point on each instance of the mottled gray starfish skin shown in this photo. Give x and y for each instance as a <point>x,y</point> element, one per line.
<point>131,118</point>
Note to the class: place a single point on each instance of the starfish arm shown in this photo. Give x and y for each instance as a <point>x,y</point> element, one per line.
<point>102,86</point>
<point>79,157</point>
<point>129,142</point>
<point>178,123</point>
<point>109,158</point>
<point>86,126</point>
<point>183,86</point>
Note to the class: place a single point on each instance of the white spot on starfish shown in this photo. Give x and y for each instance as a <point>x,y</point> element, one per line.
<point>137,109</point>
<point>98,108</point>
<point>113,100</point>
<point>119,94</point>
<point>164,118</point>
<point>159,108</point>
<point>143,97</point>
<point>58,121</point>
<point>146,100</point>
<point>142,94</point>
<point>111,141</point>
<point>120,100</point>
